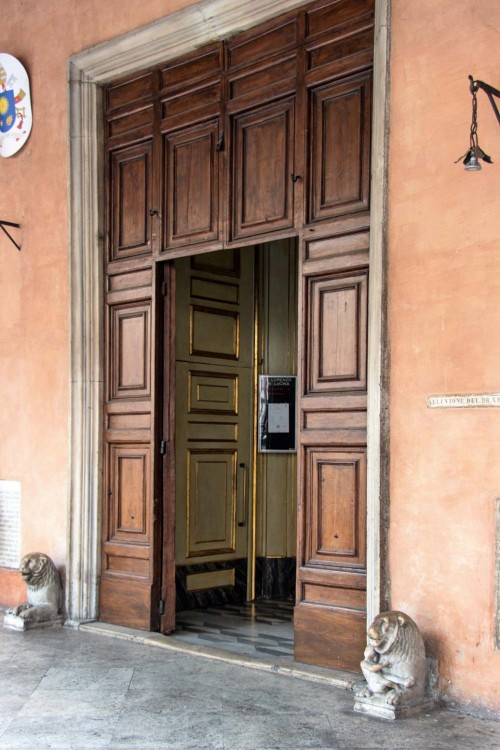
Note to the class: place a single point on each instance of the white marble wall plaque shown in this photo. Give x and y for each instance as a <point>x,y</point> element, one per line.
<point>10,523</point>
<point>464,401</point>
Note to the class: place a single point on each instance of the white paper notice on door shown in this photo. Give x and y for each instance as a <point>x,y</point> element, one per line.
<point>278,418</point>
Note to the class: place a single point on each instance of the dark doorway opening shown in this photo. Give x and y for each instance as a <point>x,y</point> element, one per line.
<point>235,537</point>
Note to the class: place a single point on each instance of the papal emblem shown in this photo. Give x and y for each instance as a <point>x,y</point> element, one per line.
<point>15,105</point>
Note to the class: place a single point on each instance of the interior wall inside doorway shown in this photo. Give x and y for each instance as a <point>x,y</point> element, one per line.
<point>276,473</point>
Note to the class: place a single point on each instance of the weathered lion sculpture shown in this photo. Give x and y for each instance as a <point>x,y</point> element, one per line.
<point>43,586</point>
<point>394,659</point>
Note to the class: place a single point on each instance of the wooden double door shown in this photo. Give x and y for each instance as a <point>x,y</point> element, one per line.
<point>265,136</point>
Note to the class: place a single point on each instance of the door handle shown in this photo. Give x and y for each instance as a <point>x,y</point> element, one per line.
<point>220,143</point>
<point>243,521</point>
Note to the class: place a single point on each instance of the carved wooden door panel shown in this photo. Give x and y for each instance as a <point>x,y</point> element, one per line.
<point>213,431</point>
<point>129,592</point>
<point>263,167</point>
<point>330,616</point>
<point>193,157</point>
<point>331,586</point>
<point>340,155</point>
<point>131,186</point>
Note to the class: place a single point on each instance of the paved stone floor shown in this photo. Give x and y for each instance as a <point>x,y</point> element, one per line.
<point>75,690</point>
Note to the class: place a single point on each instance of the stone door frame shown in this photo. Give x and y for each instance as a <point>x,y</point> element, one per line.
<point>168,38</point>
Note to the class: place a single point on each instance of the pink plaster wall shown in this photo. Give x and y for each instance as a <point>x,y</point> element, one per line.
<point>444,315</point>
<point>444,322</point>
<point>34,304</point>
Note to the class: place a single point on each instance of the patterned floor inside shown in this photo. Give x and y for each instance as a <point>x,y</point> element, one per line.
<point>262,629</point>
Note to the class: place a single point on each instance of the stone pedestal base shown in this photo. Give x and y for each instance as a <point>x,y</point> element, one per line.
<point>376,705</point>
<point>14,622</point>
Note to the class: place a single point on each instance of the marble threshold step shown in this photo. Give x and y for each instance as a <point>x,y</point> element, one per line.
<point>287,667</point>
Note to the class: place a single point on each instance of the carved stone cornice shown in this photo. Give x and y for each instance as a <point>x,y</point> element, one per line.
<point>174,35</point>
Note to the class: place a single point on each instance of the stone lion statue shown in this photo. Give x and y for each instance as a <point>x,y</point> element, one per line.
<point>394,659</point>
<point>44,588</point>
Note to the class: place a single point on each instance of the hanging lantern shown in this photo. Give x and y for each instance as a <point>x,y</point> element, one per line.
<point>475,152</point>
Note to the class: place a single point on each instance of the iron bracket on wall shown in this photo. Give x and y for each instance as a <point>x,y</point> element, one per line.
<point>4,224</point>
<point>490,92</point>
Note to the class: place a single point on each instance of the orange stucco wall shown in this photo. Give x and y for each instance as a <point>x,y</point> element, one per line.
<point>444,323</point>
<point>444,315</point>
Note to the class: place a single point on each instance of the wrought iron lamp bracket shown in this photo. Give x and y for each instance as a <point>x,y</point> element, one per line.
<point>490,92</point>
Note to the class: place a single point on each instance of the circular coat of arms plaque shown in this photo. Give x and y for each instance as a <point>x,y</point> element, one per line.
<point>15,105</point>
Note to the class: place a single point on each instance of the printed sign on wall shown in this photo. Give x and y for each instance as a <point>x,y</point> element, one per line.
<point>277,413</point>
<point>15,105</point>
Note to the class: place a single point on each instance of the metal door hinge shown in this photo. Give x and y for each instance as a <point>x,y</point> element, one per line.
<point>161,607</point>
<point>220,143</point>
<point>163,447</point>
